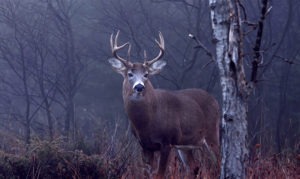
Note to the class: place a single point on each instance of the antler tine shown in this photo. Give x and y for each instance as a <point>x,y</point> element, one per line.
<point>145,55</point>
<point>161,45</point>
<point>129,51</point>
<point>115,47</point>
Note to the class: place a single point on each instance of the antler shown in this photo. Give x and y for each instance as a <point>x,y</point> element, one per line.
<point>114,47</point>
<point>161,45</point>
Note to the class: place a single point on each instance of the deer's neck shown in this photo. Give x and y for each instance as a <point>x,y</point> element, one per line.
<point>140,108</point>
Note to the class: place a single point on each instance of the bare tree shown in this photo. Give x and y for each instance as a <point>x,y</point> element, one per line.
<point>39,48</point>
<point>69,81</point>
<point>43,74</point>
<point>14,51</point>
<point>227,22</point>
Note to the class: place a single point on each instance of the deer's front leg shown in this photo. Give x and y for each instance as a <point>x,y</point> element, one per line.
<point>163,161</point>
<point>148,159</point>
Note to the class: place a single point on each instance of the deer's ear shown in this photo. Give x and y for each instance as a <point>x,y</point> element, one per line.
<point>156,67</point>
<point>117,65</point>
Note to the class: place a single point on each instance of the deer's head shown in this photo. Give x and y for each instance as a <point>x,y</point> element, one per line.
<point>136,74</point>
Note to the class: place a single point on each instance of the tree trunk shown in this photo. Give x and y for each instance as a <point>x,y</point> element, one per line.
<point>283,106</point>
<point>69,118</point>
<point>227,38</point>
<point>45,97</point>
<point>49,119</point>
<point>26,95</point>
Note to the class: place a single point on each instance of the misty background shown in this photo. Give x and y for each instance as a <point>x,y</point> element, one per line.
<point>55,80</point>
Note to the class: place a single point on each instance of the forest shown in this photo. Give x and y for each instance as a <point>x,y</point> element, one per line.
<point>61,105</point>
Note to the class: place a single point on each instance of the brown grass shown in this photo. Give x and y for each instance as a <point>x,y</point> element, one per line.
<point>45,159</point>
<point>50,160</point>
<point>259,167</point>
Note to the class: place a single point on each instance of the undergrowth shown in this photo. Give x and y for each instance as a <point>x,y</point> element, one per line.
<point>49,160</point>
<point>44,159</point>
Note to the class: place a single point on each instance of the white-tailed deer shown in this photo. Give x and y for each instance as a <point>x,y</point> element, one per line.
<point>160,118</point>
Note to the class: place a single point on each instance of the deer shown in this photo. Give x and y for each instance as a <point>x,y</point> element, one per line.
<point>161,119</point>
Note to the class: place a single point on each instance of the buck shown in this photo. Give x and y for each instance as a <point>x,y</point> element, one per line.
<point>162,119</point>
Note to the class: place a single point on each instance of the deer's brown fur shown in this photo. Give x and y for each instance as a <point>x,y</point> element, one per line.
<point>160,118</point>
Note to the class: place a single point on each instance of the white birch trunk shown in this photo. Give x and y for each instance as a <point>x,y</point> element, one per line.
<point>230,64</point>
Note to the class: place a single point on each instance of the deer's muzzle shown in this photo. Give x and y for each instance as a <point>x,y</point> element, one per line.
<point>139,87</point>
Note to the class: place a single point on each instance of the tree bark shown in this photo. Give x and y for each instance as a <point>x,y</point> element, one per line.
<point>227,38</point>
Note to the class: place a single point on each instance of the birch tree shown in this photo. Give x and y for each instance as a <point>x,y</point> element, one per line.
<point>226,18</point>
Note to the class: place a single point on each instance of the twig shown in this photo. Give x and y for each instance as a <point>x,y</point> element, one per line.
<point>193,147</point>
<point>286,60</point>
<point>186,147</point>
<point>200,45</point>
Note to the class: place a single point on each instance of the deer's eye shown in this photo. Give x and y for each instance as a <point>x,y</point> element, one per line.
<point>146,75</point>
<point>130,74</point>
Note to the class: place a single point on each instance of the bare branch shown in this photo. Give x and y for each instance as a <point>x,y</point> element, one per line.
<point>286,60</point>
<point>200,45</point>
<point>256,49</point>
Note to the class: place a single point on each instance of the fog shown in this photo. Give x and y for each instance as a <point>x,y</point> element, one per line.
<point>56,81</point>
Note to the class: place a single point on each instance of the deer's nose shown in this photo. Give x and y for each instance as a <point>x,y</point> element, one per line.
<point>139,87</point>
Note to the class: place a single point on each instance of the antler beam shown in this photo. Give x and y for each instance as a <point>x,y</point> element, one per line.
<point>161,45</point>
<point>114,47</point>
